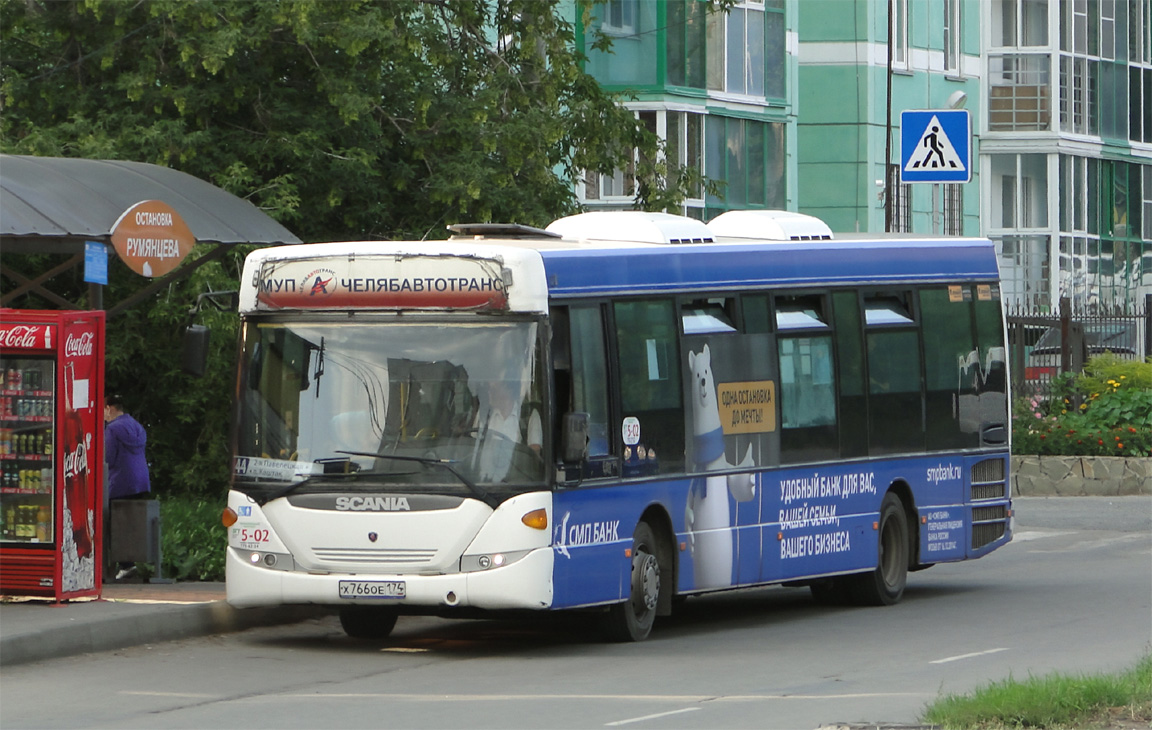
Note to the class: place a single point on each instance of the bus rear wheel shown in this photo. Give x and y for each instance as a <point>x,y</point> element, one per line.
<point>367,622</point>
<point>884,586</point>
<point>632,620</point>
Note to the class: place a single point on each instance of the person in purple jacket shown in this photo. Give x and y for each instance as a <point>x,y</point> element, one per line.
<point>124,441</point>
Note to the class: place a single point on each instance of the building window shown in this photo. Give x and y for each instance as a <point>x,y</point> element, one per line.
<point>1079,95</point>
<point>686,144</point>
<point>953,210</point>
<point>899,202</point>
<point>620,16</point>
<point>952,37</point>
<point>1018,92</point>
<point>1108,29</point>
<point>1139,104</point>
<point>776,39</point>
<point>1147,174</point>
<point>1019,191</point>
<point>736,48</point>
<point>687,41</point>
<point>1019,23</point>
<point>1024,271</point>
<point>899,21</point>
<point>1140,31</point>
<point>749,158</point>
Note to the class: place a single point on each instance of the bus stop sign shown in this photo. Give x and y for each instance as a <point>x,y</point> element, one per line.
<point>935,146</point>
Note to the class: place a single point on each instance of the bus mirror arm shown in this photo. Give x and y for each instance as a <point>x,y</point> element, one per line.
<point>574,436</point>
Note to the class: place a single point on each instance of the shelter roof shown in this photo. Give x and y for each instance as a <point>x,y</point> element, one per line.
<point>46,199</point>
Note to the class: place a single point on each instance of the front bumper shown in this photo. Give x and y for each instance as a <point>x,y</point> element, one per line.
<point>525,584</point>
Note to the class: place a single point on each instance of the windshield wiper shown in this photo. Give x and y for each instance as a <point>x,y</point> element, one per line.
<point>443,464</point>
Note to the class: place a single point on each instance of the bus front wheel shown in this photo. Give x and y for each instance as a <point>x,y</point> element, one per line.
<point>632,620</point>
<point>367,622</point>
<point>885,585</point>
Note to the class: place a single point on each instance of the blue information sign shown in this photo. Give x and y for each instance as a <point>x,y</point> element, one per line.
<point>935,146</point>
<point>95,262</point>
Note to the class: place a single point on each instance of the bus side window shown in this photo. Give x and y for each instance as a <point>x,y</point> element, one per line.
<point>895,400</point>
<point>993,392</point>
<point>580,363</point>
<point>952,369</point>
<point>807,379</point>
<point>650,387</point>
<point>853,397</point>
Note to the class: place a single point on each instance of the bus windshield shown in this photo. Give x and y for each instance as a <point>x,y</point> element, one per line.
<point>427,406</point>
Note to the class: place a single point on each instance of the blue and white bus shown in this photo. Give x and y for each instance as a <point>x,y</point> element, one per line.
<point>618,411</point>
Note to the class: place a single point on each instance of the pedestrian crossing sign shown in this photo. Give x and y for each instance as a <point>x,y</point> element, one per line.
<point>935,146</point>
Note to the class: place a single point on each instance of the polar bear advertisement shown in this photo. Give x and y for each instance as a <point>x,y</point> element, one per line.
<point>708,514</point>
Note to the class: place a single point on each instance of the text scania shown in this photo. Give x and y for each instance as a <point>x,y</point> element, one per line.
<point>372,504</point>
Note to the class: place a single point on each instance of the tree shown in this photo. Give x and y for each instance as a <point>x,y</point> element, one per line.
<point>357,119</point>
<point>352,119</point>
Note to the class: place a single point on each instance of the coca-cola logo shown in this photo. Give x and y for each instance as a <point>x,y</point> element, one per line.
<point>79,346</point>
<point>76,462</point>
<point>21,336</point>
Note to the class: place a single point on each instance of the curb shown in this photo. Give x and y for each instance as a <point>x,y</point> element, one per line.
<point>167,623</point>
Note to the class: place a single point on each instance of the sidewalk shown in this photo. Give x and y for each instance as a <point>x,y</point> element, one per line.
<point>127,614</point>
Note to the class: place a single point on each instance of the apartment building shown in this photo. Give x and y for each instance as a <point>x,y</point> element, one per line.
<point>796,104</point>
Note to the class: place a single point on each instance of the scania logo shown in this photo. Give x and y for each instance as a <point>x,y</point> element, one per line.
<point>373,504</point>
<point>373,537</point>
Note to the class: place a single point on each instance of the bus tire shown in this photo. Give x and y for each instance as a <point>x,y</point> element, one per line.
<point>632,620</point>
<point>884,586</point>
<point>367,622</point>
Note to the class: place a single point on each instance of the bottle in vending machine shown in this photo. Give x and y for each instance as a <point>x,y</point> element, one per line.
<point>42,524</point>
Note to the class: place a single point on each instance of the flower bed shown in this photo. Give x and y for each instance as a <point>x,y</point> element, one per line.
<point>1104,411</point>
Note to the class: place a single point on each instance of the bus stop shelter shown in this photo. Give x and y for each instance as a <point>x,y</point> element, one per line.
<point>58,214</point>
<point>55,205</point>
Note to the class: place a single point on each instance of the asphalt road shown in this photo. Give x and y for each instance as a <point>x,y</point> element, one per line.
<point>1072,593</point>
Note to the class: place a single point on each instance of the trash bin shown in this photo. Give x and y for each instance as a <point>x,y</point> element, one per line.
<point>135,533</point>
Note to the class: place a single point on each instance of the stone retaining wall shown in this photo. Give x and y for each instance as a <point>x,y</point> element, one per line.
<point>1080,476</point>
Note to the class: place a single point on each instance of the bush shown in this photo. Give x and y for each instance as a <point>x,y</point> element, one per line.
<point>1104,411</point>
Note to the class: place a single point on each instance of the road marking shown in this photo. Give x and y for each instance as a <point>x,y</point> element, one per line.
<point>650,717</point>
<point>197,695</point>
<point>1035,535</point>
<point>958,657</point>
<point>683,699</point>
<point>1096,544</point>
<point>405,649</point>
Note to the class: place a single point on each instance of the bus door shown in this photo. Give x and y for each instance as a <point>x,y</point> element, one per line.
<point>731,432</point>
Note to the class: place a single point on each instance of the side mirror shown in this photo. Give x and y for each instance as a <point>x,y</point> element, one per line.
<point>194,350</point>
<point>574,435</point>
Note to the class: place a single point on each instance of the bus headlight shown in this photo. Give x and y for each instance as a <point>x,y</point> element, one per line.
<point>488,561</point>
<point>274,561</point>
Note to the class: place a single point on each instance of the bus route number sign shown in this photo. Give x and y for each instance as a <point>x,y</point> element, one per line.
<point>372,589</point>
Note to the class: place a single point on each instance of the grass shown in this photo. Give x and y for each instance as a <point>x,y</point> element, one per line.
<point>1053,702</point>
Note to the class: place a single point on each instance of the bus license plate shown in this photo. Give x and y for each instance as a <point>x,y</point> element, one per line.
<point>372,589</point>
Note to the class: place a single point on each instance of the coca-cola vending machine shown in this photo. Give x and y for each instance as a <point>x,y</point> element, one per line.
<point>51,453</point>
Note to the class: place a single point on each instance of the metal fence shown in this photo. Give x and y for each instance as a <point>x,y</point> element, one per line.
<point>1042,346</point>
